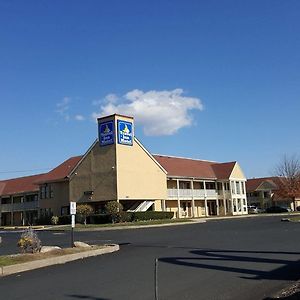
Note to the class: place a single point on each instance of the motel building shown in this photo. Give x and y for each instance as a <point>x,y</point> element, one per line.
<point>118,167</point>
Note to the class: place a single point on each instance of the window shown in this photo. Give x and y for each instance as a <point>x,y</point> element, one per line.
<point>42,191</point>
<point>47,189</point>
<point>6,201</point>
<point>238,188</point>
<point>51,191</point>
<point>226,186</point>
<point>243,187</point>
<point>184,185</point>
<point>65,210</point>
<point>210,185</point>
<point>219,187</point>
<point>232,187</point>
<point>239,204</point>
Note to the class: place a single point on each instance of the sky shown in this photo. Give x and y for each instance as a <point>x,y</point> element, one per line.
<point>213,80</point>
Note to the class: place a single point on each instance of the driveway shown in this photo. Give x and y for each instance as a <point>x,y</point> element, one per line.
<point>224,259</point>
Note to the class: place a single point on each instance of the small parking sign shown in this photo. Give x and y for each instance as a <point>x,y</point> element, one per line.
<point>72,208</point>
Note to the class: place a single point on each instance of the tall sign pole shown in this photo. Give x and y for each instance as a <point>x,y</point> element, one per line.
<point>73,213</point>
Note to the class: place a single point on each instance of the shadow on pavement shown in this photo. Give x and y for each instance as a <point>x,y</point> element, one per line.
<point>214,260</point>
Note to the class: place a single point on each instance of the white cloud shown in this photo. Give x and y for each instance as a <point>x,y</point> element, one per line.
<point>159,112</point>
<point>79,118</point>
<point>62,108</point>
<point>109,98</point>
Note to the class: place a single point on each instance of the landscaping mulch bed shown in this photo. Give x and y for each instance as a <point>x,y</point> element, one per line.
<point>6,260</point>
<point>292,292</point>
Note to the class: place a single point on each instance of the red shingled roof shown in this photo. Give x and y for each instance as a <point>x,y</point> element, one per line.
<point>19,185</point>
<point>223,170</point>
<point>30,183</point>
<point>62,171</point>
<point>175,166</point>
<point>185,167</point>
<point>254,183</point>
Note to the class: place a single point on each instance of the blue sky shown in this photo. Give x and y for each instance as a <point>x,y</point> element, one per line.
<point>228,71</point>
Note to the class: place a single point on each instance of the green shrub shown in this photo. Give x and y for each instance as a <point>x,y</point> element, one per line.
<point>99,219</point>
<point>122,216</point>
<point>114,208</point>
<point>151,215</point>
<point>84,210</point>
<point>66,219</point>
<point>54,220</point>
<point>44,220</point>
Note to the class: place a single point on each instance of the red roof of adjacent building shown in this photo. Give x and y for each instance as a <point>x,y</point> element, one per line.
<point>254,183</point>
<point>19,185</point>
<point>62,171</point>
<point>186,167</point>
<point>30,183</point>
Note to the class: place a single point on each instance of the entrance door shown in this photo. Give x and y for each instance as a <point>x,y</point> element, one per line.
<point>212,208</point>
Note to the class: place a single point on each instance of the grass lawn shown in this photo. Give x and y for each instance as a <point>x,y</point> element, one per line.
<point>295,219</point>
<point>7,260</point>
<point>124,224</point>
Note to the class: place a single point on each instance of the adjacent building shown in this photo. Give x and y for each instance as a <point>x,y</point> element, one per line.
<point>118,167</point>
<point>262,193</point>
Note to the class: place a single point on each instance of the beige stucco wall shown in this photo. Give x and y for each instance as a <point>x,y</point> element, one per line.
<point>60,197</point>
<point>237,173</point>
<point>158,205</point>
<point>138,175</point>
<point>97,173</point>
<point>199,208</point>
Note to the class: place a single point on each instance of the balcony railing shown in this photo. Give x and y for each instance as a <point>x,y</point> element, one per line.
<point>188,193</point>
<point>19,206</point>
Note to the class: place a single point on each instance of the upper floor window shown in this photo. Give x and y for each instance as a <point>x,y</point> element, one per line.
<point>226,186</point>
<point>210,185</point>
<point>219,186</point>
<point>243,187</point>
<point>46,191</point>
<point>238,187</point>
<point>184,185</point>
<point>232,187</point>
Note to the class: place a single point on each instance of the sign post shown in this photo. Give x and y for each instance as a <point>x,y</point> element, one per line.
<point>73,213</point>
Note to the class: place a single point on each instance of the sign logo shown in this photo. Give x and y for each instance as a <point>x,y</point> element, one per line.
<point>106,133</point>
<point>125,134</point>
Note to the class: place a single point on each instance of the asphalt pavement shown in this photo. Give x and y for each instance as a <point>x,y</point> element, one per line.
<point>248,258</point>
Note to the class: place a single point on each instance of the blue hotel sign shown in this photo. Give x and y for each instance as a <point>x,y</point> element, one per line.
<point>106,133</point>
<point>125,133</point>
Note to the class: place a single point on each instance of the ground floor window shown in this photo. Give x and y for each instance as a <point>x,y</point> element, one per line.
<point>65,210</point>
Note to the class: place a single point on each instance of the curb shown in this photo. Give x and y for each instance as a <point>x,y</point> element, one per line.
<point>142,226</point>
<point>192,221</point>
<point>18,268</point>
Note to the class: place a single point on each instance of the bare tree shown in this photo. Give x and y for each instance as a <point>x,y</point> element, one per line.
<point>288,171</point>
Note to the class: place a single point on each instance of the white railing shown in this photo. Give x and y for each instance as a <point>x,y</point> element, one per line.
<point>211,193</point>
<point>188,193</point>
<point>19,206</point>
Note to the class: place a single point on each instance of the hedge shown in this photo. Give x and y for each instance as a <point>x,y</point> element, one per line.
<point>151,215</point>
<point>123,216</point>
